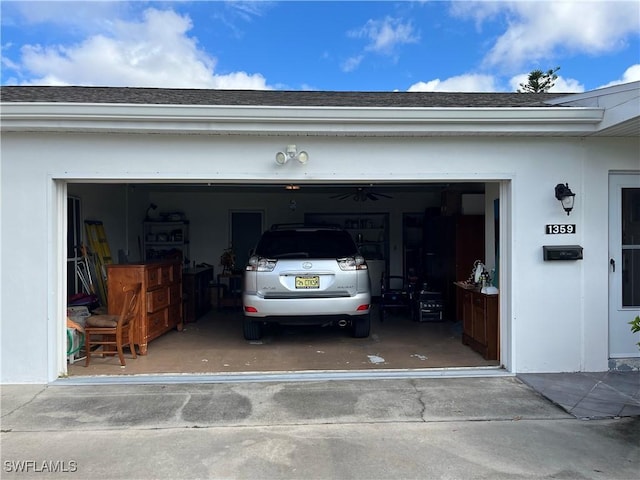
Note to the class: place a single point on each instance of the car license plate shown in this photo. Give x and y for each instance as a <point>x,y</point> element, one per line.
<point>308,282</point>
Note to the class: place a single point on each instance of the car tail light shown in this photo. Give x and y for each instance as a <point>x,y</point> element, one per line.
<point>260,264</point>
<point>352,263</point>
<point>363,307</point>
<point>250,309</point>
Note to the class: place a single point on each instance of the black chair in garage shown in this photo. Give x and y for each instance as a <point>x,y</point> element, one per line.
<point>429,305</point>
<point>396,295</point>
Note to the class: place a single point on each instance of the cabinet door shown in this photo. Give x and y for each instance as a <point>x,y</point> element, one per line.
<point>479,320</point>
<point>467,313</point>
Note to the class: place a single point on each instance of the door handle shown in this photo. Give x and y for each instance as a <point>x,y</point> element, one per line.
<point>612,262</point>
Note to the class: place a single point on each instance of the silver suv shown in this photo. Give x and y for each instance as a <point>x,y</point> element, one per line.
<point>306,275</point>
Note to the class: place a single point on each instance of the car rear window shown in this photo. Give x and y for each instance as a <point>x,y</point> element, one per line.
<point>306,244</point>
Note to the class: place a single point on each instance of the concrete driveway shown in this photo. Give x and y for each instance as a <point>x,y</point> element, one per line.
<point>397,429</point>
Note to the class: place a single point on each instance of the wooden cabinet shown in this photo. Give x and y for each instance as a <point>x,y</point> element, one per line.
<point>480,328</point>
<point>195,287</point>
<point>161,299</point>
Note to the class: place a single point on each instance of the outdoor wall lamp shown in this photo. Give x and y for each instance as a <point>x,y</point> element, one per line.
<point>291,152</point>
<point>566,196</point>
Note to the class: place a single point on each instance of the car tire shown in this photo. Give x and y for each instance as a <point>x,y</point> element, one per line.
<point>252,330</point>
<point>361,326</point>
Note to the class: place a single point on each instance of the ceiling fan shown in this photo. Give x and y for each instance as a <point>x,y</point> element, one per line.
<point>362,194</point>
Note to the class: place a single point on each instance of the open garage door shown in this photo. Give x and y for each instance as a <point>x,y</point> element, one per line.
<point>431,235</point>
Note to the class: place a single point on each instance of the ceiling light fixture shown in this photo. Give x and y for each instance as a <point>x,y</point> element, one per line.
<point>291,152</point>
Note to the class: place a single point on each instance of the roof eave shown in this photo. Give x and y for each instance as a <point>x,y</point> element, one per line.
<point>286,120</point>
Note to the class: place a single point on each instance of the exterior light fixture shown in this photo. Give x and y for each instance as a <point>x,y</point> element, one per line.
<point>566,196</point>
<point>292,152</point>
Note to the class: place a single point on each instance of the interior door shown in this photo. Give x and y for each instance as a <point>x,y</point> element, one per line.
<point>246,228</point>
<point>624,263</point>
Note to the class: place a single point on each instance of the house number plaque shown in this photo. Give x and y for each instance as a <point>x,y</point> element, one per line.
<point>559,229</point>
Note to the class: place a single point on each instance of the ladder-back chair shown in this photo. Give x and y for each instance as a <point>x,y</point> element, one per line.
<point>117,331</point>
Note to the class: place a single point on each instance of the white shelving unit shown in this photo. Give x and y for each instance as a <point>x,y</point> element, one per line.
<point>162,239</point>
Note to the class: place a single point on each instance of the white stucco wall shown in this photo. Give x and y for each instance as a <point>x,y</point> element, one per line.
<point>556,312</point>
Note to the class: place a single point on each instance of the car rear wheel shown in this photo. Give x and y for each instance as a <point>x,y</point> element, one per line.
<point>252,330</point>
<point>362,326</point>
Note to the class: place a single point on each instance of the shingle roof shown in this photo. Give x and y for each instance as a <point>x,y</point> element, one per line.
<point>173,96</point>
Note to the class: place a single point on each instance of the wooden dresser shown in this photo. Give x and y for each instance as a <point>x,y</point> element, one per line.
<point>479,314</point>
<point>161,299</point>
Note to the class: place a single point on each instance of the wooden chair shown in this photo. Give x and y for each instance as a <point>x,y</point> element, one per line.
<point>117,331</point>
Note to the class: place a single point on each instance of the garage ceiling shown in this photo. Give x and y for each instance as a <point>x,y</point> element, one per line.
<point>320,188</point>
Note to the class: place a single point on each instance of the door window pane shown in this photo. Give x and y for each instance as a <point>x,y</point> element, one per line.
<point>630,247</point>
<point>631,278</point>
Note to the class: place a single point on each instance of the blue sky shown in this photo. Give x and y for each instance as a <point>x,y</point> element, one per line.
<point>476,46</point>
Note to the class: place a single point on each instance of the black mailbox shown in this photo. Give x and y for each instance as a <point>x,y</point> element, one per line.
<point>562,252</point>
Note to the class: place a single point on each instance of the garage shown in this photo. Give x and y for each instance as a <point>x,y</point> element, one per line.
<point>417,232</point>
<point>399,170</point>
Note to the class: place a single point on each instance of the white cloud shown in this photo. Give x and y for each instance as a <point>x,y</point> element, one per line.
<point>154,52</point>
<point>248,10</point>
<point>631,74</point>
<point>567,85</point>
<point>385,35</point>
<point>460,83</point>
<point>77,16</point>
<point>543,30</point>
<point>350,64</point>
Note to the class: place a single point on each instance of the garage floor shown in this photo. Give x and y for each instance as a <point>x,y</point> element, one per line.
<point>214,344</point>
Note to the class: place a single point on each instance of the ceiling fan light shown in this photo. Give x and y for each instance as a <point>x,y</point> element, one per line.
<point>361,195</point>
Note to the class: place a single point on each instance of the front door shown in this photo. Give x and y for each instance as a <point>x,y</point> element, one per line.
<point>624,264</point>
